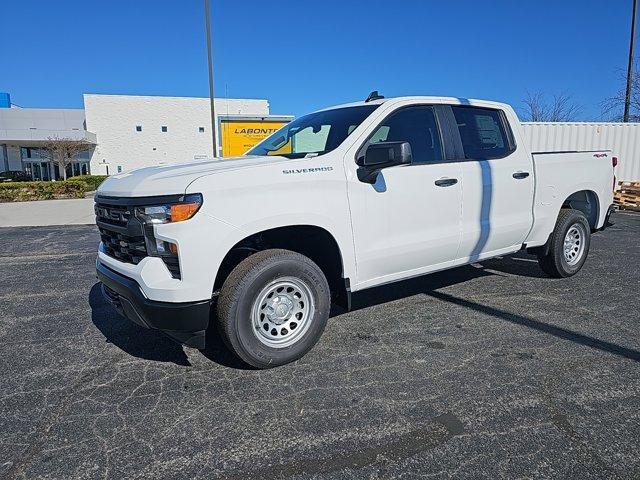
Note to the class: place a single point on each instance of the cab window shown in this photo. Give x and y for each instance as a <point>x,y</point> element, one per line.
<point>416,125</point>
<point>314,134</point>
<point>483,133</point>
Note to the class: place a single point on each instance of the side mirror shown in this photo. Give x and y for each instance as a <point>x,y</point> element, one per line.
<point>279,142</point>
<point>382,155</point>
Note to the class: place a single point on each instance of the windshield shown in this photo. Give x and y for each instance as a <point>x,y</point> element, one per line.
<point>314,134</point>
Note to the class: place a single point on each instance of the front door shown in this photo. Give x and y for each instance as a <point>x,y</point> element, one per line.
<point>407,222</point>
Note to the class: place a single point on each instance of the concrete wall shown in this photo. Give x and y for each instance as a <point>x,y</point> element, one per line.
<point>113,118</point>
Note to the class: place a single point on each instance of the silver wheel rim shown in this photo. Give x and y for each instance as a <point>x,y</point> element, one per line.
<point>574,243</point>
<point>282,312</point>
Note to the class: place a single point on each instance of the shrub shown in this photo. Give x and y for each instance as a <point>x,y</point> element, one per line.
<point>92,182</point>
<point>25,191</point>
<point>14,176</point>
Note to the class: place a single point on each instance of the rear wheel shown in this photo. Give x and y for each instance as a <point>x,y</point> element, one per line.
<point>569,245</point>
<point>273,307</point>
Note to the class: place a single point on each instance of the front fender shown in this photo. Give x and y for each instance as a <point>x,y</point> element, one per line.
<point>253,200</point>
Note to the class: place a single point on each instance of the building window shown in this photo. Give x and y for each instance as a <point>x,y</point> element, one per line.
<point>138,128</point>
<point>163,128</point>
<point>201,129</point>
<point>119,168</point>
<point>28,152</point>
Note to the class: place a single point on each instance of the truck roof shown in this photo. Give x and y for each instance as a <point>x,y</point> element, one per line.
<point>426,99</point>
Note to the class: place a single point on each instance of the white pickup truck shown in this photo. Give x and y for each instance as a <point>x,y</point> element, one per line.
<point>337,201</point>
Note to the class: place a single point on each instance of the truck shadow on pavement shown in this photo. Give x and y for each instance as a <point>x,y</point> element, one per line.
<point>129,337</point>
<point>521,265</point>
<point>152,345</point>
<point>528,322</point>
<point>518,265</point>
<point>414,286</point>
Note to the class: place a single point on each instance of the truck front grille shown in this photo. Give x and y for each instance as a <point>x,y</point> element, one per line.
<point>122,234</point>
<point>113,214</point>
<point>123,247</point>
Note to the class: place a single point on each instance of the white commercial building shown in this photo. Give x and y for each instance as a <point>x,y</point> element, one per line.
<point>24,130</point>
<point>138,131</point>
<point>135,131</point>
<point>128,132</point>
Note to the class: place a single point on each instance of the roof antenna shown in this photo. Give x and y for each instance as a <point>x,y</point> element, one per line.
<point>374,96</point>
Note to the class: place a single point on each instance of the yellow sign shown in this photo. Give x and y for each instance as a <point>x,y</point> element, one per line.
<point>238,136</point>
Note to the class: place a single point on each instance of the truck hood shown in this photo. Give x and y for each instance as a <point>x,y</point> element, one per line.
<point>174,179</point>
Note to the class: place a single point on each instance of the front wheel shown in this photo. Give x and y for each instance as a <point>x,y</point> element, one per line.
<point>273,307</point>
<point>569,245</point>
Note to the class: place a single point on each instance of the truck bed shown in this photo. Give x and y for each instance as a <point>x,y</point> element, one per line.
<point>557,176</point>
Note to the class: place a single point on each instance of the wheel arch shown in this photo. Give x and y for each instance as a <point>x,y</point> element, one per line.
<point>313,241</point>
<point>587,202</point>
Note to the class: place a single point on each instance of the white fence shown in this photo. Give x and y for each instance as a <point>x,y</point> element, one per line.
<point>622,138</point>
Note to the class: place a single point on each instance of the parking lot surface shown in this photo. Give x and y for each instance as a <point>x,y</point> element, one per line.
<point>486,371</point>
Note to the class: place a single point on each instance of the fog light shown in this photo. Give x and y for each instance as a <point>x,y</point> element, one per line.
<point>157,247</point>
<point>162,247</point>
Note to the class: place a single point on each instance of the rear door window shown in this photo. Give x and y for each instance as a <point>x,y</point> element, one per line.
<point>483,133</point>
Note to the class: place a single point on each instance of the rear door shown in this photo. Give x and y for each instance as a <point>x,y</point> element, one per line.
<point>497,184</point>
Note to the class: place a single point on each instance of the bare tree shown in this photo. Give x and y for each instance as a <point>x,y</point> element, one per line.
<point>560,108</point>
<point>535,107</point>
<point>613,107</point>
<point>62,151</point>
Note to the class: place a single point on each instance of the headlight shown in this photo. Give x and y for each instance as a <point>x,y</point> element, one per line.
<point>185,208</point>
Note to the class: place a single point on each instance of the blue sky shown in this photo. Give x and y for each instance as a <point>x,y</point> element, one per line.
<point>302,55</point>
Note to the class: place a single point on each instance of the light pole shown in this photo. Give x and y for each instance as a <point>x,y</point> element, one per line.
<point>207,22</point>
<point>627,97</point>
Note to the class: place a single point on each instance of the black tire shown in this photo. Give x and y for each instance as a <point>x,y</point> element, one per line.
<point>241,290</point>
<point>554,263</point>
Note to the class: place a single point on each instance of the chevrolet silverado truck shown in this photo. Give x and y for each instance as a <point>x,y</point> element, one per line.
<point>347,198</point>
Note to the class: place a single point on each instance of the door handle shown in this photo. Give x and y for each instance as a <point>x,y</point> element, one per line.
<point>446,182</point>
<point>520,175</point>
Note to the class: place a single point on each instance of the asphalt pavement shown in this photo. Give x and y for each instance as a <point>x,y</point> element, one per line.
<point>485,371</point>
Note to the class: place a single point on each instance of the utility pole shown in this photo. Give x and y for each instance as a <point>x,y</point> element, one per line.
<point>207,21</point>
<point>627,98</point>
